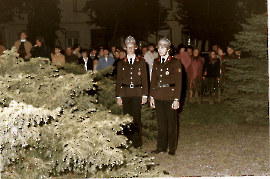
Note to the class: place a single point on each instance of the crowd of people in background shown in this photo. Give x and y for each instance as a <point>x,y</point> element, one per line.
<point>96,58</point>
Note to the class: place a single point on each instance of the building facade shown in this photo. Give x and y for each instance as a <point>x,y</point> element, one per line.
<point>74,28</point>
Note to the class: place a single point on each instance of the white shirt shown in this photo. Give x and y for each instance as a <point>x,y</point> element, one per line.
<point>85,63</point>
<point>133,57</point>
<point>149,58</point>
<point>164,57</point>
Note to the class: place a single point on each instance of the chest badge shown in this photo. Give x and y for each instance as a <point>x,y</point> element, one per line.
<point>139,73</point>
<point>167,73</point>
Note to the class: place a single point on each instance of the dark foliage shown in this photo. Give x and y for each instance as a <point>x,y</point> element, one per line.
<point>9,10</point>
<point>216,21</point>
<point>43,19</point>
<point>246,88</point>
<point>122,18</point>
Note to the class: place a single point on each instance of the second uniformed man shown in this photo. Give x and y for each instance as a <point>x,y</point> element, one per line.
<point>165,90</point>
<point>132,87</point>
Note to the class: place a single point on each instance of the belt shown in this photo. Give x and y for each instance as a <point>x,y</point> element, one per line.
<point>165,85</point>
<point>131,85</point>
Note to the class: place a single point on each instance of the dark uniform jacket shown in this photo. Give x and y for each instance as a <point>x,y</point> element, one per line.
<point>42,51</point>
<point>131,79</point>
<point>166,81</point>
<point>89,63</point>
<point>71,58</point>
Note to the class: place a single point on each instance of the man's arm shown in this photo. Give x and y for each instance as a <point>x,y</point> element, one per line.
<point>119,83</point>
<point>112,61</point>
<point>153,79</point>
<point>144,78</point>
<point>119,78</point>
<point>28,47</point>
<point>178,79</point>
<point>99,64</point>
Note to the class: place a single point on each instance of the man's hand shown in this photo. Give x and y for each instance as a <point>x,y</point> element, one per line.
<point>144,99</point>
<point>175,104</point>
<point>152,102</point>
<point>119,101</point>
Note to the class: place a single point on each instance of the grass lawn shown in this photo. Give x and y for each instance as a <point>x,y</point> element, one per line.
<point>207,114</point>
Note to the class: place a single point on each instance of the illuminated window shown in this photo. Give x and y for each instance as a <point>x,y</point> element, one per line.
<point>189,40</point>
<point>72,37</point>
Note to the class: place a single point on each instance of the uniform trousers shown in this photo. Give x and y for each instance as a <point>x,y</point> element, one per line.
<point>132,106</point>
<point>167,125</point>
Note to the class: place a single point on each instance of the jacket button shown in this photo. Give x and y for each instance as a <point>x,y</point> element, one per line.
<point>130,72</point>
<point>131,78</point>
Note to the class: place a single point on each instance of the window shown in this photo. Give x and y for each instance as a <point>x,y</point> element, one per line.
<point>99,37</point>
<point>78,5</point>
<point>72,37</point>
<point>167,4</point>
<point>187,40</point>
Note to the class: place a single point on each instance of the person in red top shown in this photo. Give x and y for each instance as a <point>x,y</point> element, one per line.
<point>195,70</point>
<point>185,59</point>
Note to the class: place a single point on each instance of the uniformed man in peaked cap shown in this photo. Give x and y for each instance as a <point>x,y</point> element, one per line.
<point>132,87</point>
<point>165,90</point>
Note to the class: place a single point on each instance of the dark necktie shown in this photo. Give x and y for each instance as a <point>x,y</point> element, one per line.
<point>162,60</point>
<point>130,61</point>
